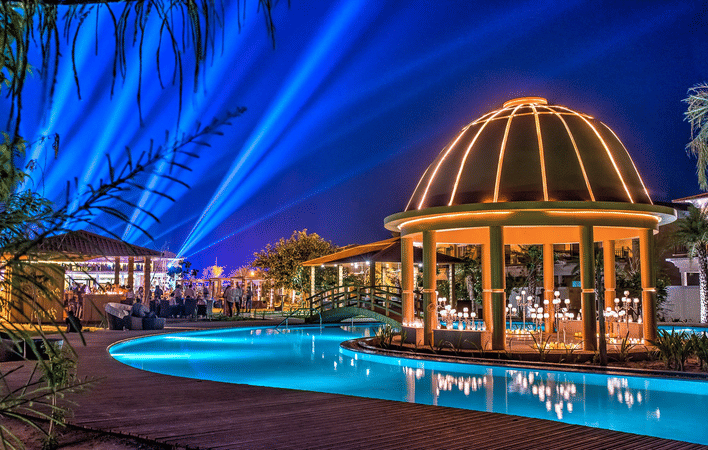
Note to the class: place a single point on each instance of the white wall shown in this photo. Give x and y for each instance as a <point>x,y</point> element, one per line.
<point>683,303</point>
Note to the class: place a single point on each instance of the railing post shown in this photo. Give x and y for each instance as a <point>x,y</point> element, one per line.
<point>388,302</point>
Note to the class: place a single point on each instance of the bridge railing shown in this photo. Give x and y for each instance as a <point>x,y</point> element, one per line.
<point>383,299</point>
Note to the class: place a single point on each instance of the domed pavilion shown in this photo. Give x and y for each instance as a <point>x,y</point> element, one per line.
<point>531,173</point>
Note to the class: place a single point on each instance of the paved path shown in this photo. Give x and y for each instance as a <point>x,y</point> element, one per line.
<point>206,414</point>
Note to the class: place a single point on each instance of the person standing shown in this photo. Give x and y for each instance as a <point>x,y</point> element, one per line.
<point>248,304</point>
<point>238,295</point>
<point>179,301</point>
<point>158,293</point>
<point>228,301</point>
<point>189,292</point>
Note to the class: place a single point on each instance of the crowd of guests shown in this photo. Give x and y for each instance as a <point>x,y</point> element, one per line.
<point>189,300</point>
<point>236,298</point>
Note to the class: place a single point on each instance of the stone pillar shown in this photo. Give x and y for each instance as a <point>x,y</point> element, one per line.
<point>497,278</point>
<point>312,281</point>
<point>549,286</point>
<point>429,284</point>
<point>587,283</point>
<point>116,270</point>
<point>146,280</point>
<point>131,269</point>
<point>646,253</point>
<point>407,281</point>
<point>340,276</point>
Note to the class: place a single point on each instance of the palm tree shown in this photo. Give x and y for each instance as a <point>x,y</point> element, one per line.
<point>697,116</point>
<point>692,233</point>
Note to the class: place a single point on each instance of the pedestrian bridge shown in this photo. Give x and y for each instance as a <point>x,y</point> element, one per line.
<point>380,303</point>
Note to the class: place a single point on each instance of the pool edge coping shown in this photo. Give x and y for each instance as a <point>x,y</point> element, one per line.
<point>361,345</point>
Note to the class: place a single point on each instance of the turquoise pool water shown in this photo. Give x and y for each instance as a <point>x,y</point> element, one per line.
<point>679,328</point>
<point>311,359</point>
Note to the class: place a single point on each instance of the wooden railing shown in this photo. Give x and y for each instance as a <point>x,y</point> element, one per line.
<point>383,300</point>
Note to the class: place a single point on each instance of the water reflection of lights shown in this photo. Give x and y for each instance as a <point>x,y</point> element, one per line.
<point>620,387</point>
<point>555,395</point>
<point>463,384</point>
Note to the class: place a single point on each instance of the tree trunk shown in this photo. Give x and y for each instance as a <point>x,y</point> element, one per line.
<point>703,279</point>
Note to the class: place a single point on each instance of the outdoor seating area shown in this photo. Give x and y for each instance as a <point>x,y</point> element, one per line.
<point>119,318</point>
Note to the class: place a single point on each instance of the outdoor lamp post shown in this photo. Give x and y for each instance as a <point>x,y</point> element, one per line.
<point>518,304</point>
<point>556,310</point>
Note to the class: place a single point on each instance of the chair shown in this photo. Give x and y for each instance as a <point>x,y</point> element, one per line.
<point>165,308</point>
<point>190,305</point>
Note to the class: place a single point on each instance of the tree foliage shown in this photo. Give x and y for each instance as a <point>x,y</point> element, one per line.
<point>282,262</point>
<point>697,115</point>
<point>189,29</point>
<point>692,233</point>
<point>28,219</point>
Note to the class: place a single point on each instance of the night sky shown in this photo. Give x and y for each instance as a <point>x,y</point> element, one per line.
<point>355,101</point>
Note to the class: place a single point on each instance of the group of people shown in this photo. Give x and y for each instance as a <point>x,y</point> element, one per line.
<point>235,297</point>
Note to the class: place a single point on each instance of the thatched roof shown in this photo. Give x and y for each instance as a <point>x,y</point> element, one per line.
<point>83,244</point>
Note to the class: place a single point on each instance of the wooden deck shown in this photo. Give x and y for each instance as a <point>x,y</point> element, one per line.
<point>205,414</point>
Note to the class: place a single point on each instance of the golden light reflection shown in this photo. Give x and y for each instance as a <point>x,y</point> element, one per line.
<point>435,172</point>
<point>609,154</point>
<point>577,153</point>
<point>447,216</point>
<point>540,154</point>
<point>501,155</point>
<point>464,160</point>
<point>632,161</point>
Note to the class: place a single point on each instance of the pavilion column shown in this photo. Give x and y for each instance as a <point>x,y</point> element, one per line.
<point>116,270</point>
<point>587,283</point>
<point>429,299</point>
<point>131,269</point>
<point>486,285</point>
<point>146,279</point>
<point>407,296</point>
<point>312,281</point>
<point>548,286</point>
<point>646,253</point>
<point>608,255</point>
<point>497,275</point>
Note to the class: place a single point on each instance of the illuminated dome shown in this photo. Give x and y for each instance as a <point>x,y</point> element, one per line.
<point>530,151</point>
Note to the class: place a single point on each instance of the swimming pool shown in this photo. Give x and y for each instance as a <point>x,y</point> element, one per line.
<point>311,359</point>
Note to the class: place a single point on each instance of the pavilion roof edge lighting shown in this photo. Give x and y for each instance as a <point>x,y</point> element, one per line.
<point>530,150</point>
<point>662,215</point>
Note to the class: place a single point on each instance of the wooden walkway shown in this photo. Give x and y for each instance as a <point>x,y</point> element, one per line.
<point>205,414</point>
